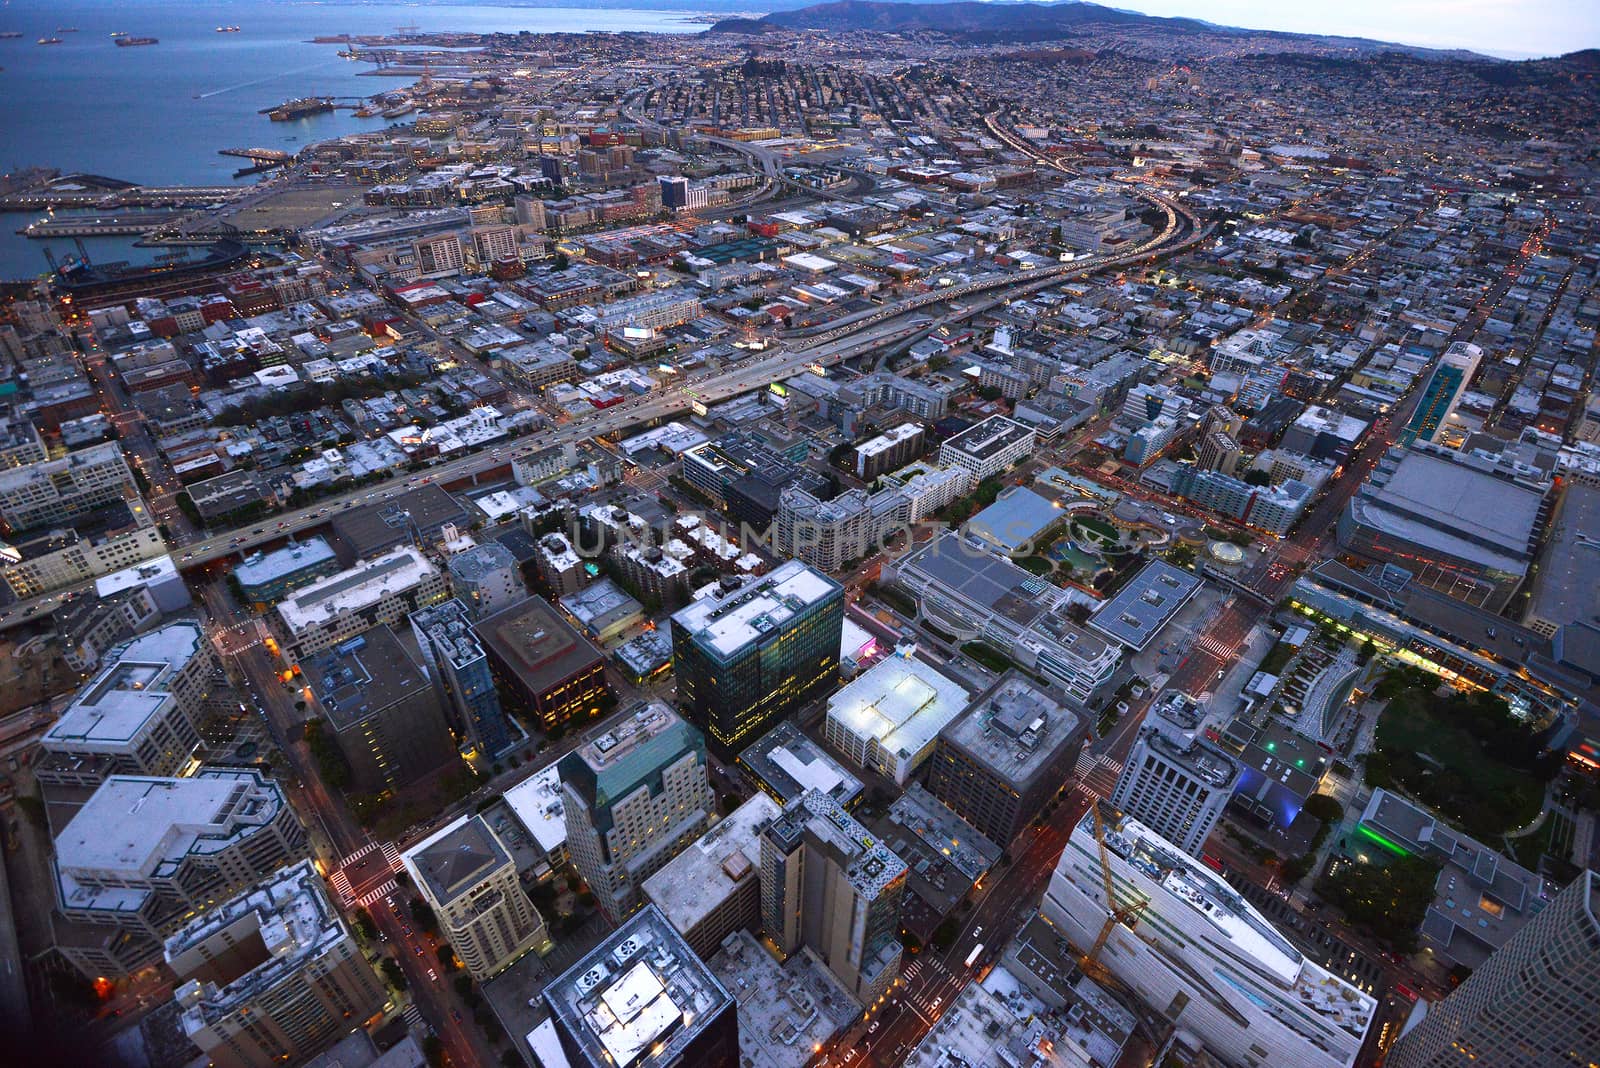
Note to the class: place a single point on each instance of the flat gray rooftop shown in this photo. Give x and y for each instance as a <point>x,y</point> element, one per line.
<point>1146,604</point>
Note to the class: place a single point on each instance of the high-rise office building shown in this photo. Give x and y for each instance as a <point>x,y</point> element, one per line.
<point>829,885</point>
<point>143,854</point>
<point>1535,1003</point>
<point>640,999</point>
<point>999,762</point>
<point>460,669</point>
<point>1198,954</point>
<point>273,975</point>
<point>634,794</point>
<point>747,655</point>
<point>1174,781</point>
<point>385,715</point>
<point>470,879</point>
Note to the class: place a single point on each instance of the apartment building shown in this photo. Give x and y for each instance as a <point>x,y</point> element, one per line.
<point>145,853</point>
<point>470,880</point>
<point>272,975</point>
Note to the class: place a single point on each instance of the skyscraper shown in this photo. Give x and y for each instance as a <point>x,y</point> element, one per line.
<point>1535,1003</point>
<point>634,794</point>
<point>1175,782</point>
<point>470,880</point>
<point>460,669</point>
<point>829,885</point>
<point>746,656</point>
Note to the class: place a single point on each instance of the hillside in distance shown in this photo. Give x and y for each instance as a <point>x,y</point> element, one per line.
<point>1069,19</point>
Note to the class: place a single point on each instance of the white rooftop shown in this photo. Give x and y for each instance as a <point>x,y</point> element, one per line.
<point>132,822</point>
<point>113,709</point>
<point>901,702</point>
<point>366,584</point>
<point>536,802</point>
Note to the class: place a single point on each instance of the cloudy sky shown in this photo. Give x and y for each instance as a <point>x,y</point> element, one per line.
<point>1512,28</point>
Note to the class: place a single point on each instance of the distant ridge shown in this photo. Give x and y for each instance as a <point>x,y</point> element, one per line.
<point>1024,22</point>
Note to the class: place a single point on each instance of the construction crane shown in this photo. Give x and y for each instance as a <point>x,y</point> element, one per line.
<point>1114,914</point>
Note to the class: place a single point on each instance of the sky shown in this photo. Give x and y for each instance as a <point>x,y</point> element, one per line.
<point>1515,29</point>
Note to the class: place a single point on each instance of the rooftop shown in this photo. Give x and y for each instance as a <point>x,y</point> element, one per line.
<point>1452,503</point>
<point>259,568</point>
<point>363,676</point>
<point>456,858</point>
<point>536,802</point>
<point>639,997</point>
<point>785,1009</point>
<point>1235,923</point>
<point>729,621</point>
<point>788,763</point>
<point>1015,519</point>
<point>995,434</point>
<point>293,922</point>
<point>1172,730</point>
<point>901,702</point>
<point>626,751</point>
<point>1018,729</point>
<point>944,833</point>
<point>424,509</point>
<point>600,605</point>
<point>360,587</point>
<point>695,883</point>
<point>1146,604</point>
<point>1481,897</point>
<point>116,705</point>
<point>532,640</point>
<point>869,865</point>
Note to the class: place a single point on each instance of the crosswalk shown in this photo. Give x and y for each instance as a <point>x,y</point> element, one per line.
<point>413,1016</point>
<point>1207,644</point>
<point>379,894</point>
<point>1099,780</point>
<point>341,882</point>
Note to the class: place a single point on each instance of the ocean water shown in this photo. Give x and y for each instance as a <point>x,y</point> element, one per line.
<point>158,114</point>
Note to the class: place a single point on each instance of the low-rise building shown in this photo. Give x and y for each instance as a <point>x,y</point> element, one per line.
<point>267,577</point>
<point>335,609</point>
<point>785,764</point>
<point>889,717</point>
<point>712,887</point>
<point>988,448</point>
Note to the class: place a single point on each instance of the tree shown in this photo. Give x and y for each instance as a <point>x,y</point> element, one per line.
<point>433,1049</point>
<point>394,973</point>
<point>944,935</point>
<point>447,958</point>
<point>1324,807</point>
<point>1257,477</point>
<point>332,767</point>
<point>364,925</point>
<point>1390,901</point>
<point>465,990</point>
<point>423,915</point>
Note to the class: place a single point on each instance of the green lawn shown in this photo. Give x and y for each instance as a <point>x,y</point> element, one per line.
<point>1455,755</point>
